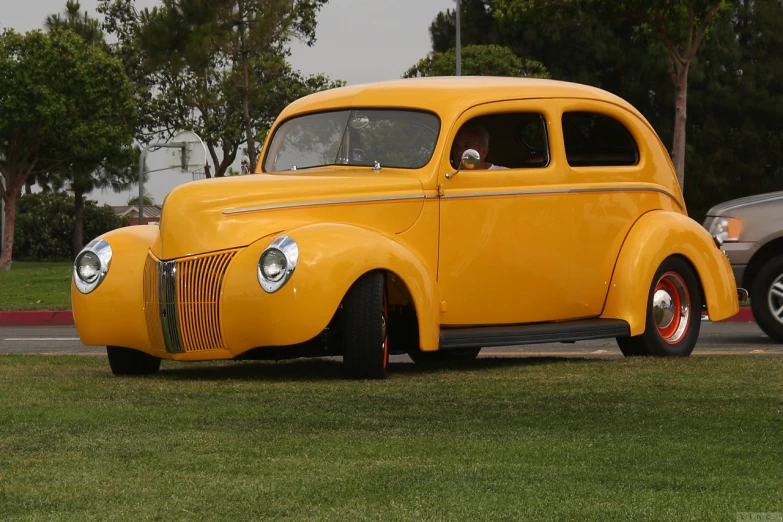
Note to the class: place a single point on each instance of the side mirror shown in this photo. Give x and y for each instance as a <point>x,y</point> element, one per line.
<point>470,160</point>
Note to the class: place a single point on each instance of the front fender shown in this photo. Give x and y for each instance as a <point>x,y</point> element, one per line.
<point>113,313</point>
<point>331,258</point>
<point>654,237</point>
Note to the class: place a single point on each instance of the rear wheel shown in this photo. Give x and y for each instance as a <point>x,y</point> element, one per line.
<point>127,361</point>
<point>365,333</point>
<point>766,298</point>
<point>673,314</point>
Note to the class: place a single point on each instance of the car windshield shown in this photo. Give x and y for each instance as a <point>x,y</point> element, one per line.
<point>392,138</point>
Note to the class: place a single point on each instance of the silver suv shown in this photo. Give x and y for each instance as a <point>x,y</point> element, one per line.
<point>752,233</point>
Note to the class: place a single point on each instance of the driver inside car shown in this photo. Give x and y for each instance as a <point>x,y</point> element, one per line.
<point>476,137</point>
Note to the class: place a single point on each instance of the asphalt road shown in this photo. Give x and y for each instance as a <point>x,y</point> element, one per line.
<point>715,339</point>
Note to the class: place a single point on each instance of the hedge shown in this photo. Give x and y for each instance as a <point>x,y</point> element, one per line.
<point>45,222</point>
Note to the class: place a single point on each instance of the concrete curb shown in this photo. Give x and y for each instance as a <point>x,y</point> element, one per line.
<point>37,318</point>
<point>745,315</point>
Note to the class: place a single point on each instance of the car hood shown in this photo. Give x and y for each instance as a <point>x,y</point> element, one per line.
<point>728,207</point>
<point>224,213</point>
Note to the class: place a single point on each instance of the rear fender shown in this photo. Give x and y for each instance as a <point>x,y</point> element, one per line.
<point>654,237</point>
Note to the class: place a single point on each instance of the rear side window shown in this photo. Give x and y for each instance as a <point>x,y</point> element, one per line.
<point>597,140</point>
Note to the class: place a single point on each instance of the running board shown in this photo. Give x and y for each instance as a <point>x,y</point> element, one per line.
<point>566,331</point>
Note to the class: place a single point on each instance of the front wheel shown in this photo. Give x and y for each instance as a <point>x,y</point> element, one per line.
<point>365,334</point>
<point>673,314</point>
<point>766,298</point>
<point>127,361</point>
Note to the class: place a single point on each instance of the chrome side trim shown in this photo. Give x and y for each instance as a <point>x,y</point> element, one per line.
<point>450,196</point>
<point>561,191</point>
<point>506,193</point>
<point>167,289</point>
<point>629,189</point>
<point>322,203</point>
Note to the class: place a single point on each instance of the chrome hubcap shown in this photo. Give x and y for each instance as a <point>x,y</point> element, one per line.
<point>663,308</point>
<point>775,299</point>
<point>671,307</point>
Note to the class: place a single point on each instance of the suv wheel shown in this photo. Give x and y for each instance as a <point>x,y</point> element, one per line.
<point>766,298</point>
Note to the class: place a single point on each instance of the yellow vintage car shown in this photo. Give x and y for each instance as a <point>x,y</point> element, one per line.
<point>431,217</point>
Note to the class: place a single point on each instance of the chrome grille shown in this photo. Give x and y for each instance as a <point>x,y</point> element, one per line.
<point>199,282</point>
<point>182,302</point>
<point>167,297</point>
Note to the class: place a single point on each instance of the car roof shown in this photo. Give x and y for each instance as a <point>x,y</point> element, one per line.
<point>447,94</point>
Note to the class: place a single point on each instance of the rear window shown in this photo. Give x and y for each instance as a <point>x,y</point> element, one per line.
<point>597,140</point>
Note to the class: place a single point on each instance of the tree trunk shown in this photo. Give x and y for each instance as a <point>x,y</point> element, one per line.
<point>78,227</point>
<point>251,144</point>
<point>8,236</point>
<point>680,118</point>
<point>28,187</point>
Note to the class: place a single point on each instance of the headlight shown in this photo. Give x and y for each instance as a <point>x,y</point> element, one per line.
<point>91,265</point>
<point>726,229</point>
<point>277,263</point>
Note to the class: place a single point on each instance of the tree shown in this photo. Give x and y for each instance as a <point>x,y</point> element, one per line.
<point>198,69</point>
<point>84,175</point>
<point>233,38</point>
<point>477,26</point>
<point>80,23</point>
<point>62,103</point>
<point>680,24</point>
<point>736,108</point>
<point>478,60</point>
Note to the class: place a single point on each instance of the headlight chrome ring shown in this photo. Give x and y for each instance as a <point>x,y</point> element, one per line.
<point>277,263</point>
<point>91,265</point>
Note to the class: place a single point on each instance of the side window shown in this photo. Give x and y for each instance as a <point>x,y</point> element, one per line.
<point>510,140</point>
<point>597,140</point>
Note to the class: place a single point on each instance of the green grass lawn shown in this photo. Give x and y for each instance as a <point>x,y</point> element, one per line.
<point>36,286</point>
<point>524,439</point>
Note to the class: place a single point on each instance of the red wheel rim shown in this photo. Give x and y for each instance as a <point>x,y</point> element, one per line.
<point>671,307</point>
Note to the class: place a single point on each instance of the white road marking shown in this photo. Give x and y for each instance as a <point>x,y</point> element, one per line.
<point>42,339</point>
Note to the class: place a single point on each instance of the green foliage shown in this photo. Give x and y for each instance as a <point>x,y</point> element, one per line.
<point>65,106</point>
<point>115,166</point>
<point>478,60</point>
<point>477,26</point>
<point>44,224</point>
<point>80,23</point>
<point>147,200</point>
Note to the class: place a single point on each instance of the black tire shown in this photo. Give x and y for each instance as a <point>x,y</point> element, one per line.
<point>127,361</point>
<point>678,337</point>
<point>365,332</point>
<point>763,298</point>
<point>444,356</point>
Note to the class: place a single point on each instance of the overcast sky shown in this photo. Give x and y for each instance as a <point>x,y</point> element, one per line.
<point>358,41</point>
